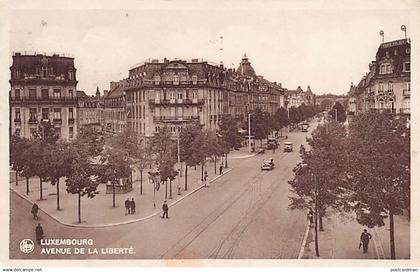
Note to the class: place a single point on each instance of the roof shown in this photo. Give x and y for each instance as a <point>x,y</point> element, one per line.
<point>245,68</point>
<point>80,93</point>
<point>116,91</point>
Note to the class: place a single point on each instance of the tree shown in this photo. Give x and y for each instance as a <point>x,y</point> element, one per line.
<point>228,130</point>
<point>318,179</point>
<point>17,148</point>
<point>379,169</point>
<point>81,180</point>
<point>280,120</point>
<point>186,137</point>
<point>259,125</point>
<point>164,149</point>
<point>339,110</point>
<point>23,156</point>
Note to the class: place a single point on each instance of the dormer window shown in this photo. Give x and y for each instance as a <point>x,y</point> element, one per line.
<point>71,75</point>
<point>44,71</point>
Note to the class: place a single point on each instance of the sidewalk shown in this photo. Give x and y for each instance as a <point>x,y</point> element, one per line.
<point>99,211</point>
<point>340,240</point>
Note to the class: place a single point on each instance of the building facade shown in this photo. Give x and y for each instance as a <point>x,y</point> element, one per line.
<point>175,93</point>
<point>295,98</point>
<point>43,89</point>
<point>89,109</point>
<point>114,107</point>
<point>386,87</point>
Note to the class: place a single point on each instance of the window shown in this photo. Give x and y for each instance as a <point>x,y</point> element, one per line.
<point>407,50</point>
<point>194,94</point>
<point>71,75</point>
<point>179,95</point>
<point>171,95</point>
<point>45,112</point>
<point>57,93</point>
<point>32,114</point>
<point>57,114</point>
<point>17,114</point>
<point>406,66</point>
<point>71,132</point>
<point>71,113</point>
<point>44,71</point>
<point>406,85</point>
<point>71,93</point>
<point>44,93</point>
<point>57,131</point>
<point>32,93</point>
<point>17,132</point>
<point>390,87</point>
<point>17,94</point>
<point>395,52</point>
<point>388,69</point>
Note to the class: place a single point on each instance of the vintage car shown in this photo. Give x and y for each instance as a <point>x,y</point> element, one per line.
<point>267,165</point>
<point>288,147</point>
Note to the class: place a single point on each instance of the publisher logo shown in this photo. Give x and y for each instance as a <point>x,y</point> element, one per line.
<point>27,246</point>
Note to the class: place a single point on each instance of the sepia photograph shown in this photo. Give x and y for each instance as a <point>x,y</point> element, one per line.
<point>199,131</point>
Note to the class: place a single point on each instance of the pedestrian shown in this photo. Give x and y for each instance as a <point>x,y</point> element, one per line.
<point>34,211</point>
<point>133,206</point>
<point>364,240</point>
<point>221,169</point>
<point>127,206</point>
<point>165,209</point>
<point>311,217</point>
<point>205,178</point>
<point>39,233</point>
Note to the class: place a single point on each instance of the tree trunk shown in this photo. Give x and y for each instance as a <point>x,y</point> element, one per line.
<point>58,194</point>
<point>226,163</point>
<point>40,189</point>
<point>321,227</point>
<point>79,209</point>
<point>391,232</point>
<point>27,186</point>
<point>166,190</point>
<point>316,231</point>
<point>215,162</point>
<point>281,132</point>
<point>113,194</point>
<point>170,188</point>
<point>202,171</point>
<point>186,182</point>
<point>16,178</point>
<point>141,181</point>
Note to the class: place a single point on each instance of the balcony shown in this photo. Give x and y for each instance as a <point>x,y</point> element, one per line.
<point>170,119</point>
<point>57,121</point>
<point>405,110</point>
<point>382,110</point>
<point>17,121</point>
<point>45,100</point>
<point>32,121</point>
<point>176,102</point>
<point>71,120</point>
<point>406,92</point>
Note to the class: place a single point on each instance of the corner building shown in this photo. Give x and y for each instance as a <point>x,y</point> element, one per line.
<point>43,89</point>
<point>175,93</point>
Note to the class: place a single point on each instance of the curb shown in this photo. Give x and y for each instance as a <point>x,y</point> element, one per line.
<point>304,241</point>
<point>244,156</point>
<point>120,223</point>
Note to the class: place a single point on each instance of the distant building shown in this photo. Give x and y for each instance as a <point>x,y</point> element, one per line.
<point>327,101</point>
<point>386,87</point>
<point>295,98</point>
<point>89,109</point>
<point>43,89</point>
<point>114,108</point>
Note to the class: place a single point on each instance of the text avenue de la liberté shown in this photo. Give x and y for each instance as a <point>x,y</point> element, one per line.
<point>80,247</point>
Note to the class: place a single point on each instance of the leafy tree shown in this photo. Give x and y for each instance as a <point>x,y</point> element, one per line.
<point>318,179</point>
<point>280,120</point>
<point>164,149</point>
<point>17,148</point>
<point>187,152</point>
<point>379,169</point>
<point>339,110</point>
<point>23,157</point>
<point>228,129</point>
<point>259,125</point>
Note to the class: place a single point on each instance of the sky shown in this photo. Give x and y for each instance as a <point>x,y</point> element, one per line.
<point>297,43</point>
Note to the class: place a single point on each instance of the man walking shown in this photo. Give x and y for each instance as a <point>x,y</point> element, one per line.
<point>34,211</point>
<point>165,209</point>
<point>364,240</point>
<point>221,169</point>
<point>39,233</point>
<point>127,206</point>
<point>311,217</point>
<point>133,206</point>
<point>205,178</point>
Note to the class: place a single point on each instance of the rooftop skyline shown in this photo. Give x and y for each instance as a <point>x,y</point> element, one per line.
<point>289,43</point>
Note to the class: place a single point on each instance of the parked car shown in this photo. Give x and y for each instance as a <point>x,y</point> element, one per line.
<point>269,161</point>
<point>288,147</point>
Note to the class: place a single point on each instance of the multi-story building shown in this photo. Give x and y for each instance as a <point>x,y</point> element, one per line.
<point>114,107</point>
<point>43,89</point>
<point>177,92</point>
<point>387,85</point>
<point>89,109</point>
<point>295,98</point>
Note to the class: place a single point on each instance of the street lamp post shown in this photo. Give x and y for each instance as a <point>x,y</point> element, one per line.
<point>249,132</point>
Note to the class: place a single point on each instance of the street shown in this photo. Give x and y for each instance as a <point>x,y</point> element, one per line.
<point>243,214</point>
